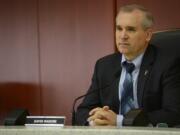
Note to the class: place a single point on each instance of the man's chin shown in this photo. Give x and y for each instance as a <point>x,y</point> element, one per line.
<point>124,51</point>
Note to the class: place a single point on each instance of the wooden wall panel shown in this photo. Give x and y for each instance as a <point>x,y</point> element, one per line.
<point>19,72</point>
<point>73,34</point>
<point>166,12</point>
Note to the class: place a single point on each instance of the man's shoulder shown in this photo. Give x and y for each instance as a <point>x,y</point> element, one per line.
<point>110,58</point>
<point>108,65</point>
<point>109,62</point>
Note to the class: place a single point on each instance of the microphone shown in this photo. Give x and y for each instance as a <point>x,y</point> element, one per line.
<point>117,74</point>
<point>136,117</point>
<point>16,117</point>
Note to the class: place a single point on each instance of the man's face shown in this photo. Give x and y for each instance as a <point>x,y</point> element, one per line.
<point>131,38</point>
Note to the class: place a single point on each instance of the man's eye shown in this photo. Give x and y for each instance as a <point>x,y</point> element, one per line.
<point>131,29</point>
<point>118,28</point>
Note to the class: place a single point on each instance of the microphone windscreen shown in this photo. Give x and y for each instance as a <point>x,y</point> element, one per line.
<point>135,117</point>
<point>16,117</point>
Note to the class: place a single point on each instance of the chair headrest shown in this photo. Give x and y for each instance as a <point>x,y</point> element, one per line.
<point>168,40</point>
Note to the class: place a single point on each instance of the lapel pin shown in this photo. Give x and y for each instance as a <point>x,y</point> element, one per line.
<point>146,72</point>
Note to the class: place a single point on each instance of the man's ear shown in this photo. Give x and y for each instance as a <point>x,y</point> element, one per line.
<point>149,33</point>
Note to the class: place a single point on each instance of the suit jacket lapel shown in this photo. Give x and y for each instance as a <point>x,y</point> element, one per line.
<point>115,88</point>
<point>144,72</point>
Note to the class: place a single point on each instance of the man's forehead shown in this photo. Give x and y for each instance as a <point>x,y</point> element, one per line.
<point>135,13</point>
<point>130,18</point>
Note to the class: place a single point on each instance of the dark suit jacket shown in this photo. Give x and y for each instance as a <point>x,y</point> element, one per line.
<point>158,88</point>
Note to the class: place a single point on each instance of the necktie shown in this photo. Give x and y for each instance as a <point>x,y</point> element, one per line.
<point>127,101</point>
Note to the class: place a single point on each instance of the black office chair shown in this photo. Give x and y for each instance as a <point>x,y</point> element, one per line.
<point>168,43</point>
<point>168,40</point>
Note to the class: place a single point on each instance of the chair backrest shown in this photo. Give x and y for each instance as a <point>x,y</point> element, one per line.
<point>168,40</point>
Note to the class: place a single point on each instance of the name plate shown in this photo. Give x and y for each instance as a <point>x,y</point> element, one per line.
<point>45,121</point>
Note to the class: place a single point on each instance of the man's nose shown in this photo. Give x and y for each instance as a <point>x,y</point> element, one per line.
<point>124,34</point>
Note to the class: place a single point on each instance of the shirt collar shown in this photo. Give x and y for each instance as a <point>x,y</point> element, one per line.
<point>137,61</point>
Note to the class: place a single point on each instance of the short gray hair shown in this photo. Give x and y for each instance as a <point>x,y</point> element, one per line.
<point>148,20</point>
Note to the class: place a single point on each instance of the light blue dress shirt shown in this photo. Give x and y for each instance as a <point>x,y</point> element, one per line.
<point>137,62</point>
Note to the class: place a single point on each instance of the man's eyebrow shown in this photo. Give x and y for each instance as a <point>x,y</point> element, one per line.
<point>118,26</point>
<point>131,27</point>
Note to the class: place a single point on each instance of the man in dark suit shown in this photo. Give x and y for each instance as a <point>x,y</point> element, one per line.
<point>155,77</point>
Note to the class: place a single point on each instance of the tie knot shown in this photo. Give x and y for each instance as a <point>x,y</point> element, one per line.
<point>129,66</point>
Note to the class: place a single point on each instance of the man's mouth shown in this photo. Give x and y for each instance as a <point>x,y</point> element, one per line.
<point>124,44</point>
